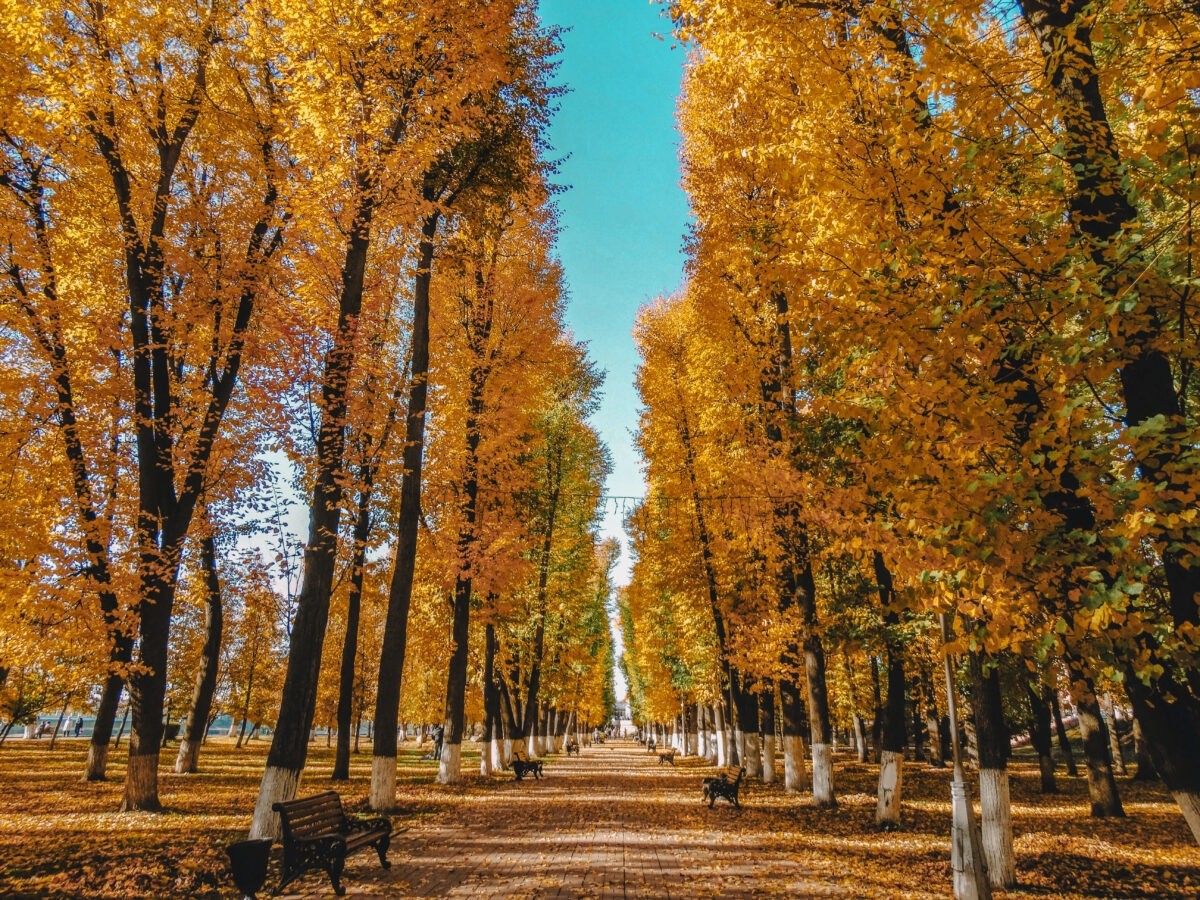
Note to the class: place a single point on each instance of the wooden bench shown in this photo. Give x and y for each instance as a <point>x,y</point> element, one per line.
<point>523,765</point>
<point>667,756</point>
<point>725,785</point>
<point>317,834</point>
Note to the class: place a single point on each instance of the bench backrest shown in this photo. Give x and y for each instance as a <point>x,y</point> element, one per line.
<point>318,814</point>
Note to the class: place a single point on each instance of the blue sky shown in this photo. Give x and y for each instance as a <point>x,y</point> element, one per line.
<point>623,216</point>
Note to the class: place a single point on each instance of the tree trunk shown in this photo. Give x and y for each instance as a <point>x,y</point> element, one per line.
<point>693,730</point>
<point>395,631</point>
<point>725,751</point>
<point>993,747</point>
<point>121,730</point>
<point>106,717</point>
<point>1114,740</point>
<point>1039,737</point>
<point>553,482</point>
<point>345,704</point>
<point>488,749</point>
<point>745,725</point>
<point>893,740</point>
<point>1145,764</point>
<point>818,708</point>
<point>1102,786</point>
<point>937,755</point>
<point>450,764</point>
<point>917,731</point>
<point>894,737</point>
<point>766,730</point>
<point>450,769</point>
<point>206,677</point>
<point>722,735</point>
<point>289,744</point>
<point>148,681</point>
<point>61,715</point>
<point>877,698</point>
<point>513,725</point>
<point>1064,742</point>
<point>794,775</point>
<point>1100,209</point>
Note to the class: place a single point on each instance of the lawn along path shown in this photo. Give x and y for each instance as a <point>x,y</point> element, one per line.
<point>613,822</point>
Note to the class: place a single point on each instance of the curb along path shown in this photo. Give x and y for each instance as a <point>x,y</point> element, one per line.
<point>610,823</point>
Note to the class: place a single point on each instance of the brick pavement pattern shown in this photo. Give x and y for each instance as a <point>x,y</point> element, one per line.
<point>609,823</point>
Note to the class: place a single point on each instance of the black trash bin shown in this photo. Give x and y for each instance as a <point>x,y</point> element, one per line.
<point>248,863</point>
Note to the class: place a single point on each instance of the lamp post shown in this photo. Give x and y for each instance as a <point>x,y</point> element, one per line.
<point>966,854</point>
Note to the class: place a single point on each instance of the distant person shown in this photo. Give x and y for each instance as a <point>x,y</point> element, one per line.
<point>438,733</point>
<point>78,726</point>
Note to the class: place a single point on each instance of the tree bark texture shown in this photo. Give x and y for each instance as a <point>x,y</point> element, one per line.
<point>993,747</point>
<point>395,629</point>
<point>289,743</point>
<point>346,670</point>
<point>206,677</point>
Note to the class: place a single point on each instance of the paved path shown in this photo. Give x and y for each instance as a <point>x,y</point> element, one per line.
<point>611,823</point>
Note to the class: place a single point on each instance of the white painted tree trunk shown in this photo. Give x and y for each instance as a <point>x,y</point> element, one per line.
<point>506,759</point>
<point>702,733</point>
<point>795,778</point>
<point>383,783</point>
<point>722,747</point>
<point>277,784</point>
<point>822,764</point>
<point>753,757</point>
<point>891,780</point>
<point>496,750</point>
<point>768,759</point>
<point>739,744</point>
<point>97,760</point>
<point>1189,804</point>
<point>997,827</point>
<point>188,756</point>
<point>450,768</point>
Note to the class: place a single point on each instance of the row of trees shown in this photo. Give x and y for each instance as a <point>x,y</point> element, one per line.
<point>935,353</point>
<point>245,238</point>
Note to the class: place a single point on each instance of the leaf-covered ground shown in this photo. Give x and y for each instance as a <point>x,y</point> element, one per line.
<point>613,823</point>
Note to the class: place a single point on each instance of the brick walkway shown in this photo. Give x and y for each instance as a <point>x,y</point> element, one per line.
<point>611,823</point>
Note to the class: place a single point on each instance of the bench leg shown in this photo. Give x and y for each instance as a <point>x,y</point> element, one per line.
<point>289,874</point>
<point>382,848</point>
<point>336,865</point>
